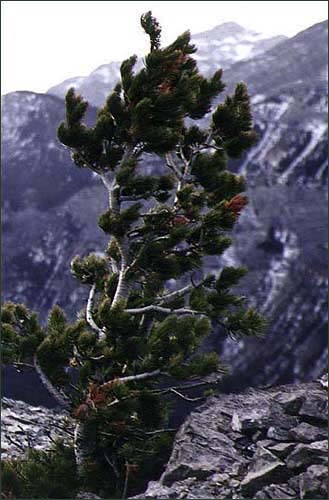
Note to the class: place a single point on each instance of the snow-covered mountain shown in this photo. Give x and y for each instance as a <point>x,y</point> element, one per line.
<point>229,43</point>
<point>51,207</point>
<point>219,47</point>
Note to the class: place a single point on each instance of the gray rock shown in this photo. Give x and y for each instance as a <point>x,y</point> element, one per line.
<point>291,402</point>
<point>263,469</point>
<point>308,454</point>
<point>278,434</point>
<point>282,450</point>
<point>312,483</point>
<point>276,491</point>
<point>315,407</point>
<point>224,450</point>
<point>24,426</point>
<point>307,433</point>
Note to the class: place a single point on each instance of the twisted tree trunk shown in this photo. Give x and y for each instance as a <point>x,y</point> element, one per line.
<point>84,445</point>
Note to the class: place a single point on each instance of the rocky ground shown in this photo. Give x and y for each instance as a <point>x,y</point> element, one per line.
<point>24,426</point>
<point>269,443</point>
<point>259,444</point>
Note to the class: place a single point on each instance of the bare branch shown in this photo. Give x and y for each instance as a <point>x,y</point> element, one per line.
<point>192,400</point>
<point>18,364</point>
<point>186,386</point>
<point>109,181</point>
<point>81,356</point>
<point>175,295</point>
<point>207,146</point>
<point>122,289</point>
<point>131,378</point>
<point>160,431</point>
<point>165,310</point>
<point>89,314</point>
<point>183,177</point>
<point>171,164</point>
<point>61,398</point>
<point>112,464</point>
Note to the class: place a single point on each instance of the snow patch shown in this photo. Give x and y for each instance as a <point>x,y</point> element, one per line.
<point>317,130</point>
<point>274,113</point>
<point>280,267</point>
<point>256,99</point>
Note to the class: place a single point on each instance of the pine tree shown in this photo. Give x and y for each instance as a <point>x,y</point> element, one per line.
<point>136,331</point>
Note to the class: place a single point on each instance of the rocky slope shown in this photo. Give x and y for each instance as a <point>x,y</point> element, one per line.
<point>259,444</point>
<point>51,209</point>
<point>25,426</point>
<point>37,172</point>
<point>288,84</point>
<point>37,182</point>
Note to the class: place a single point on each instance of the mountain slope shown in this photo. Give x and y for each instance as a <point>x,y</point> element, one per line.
<point>298,60</point>
<point>228,43</point>
<point>37,169</point>
<point>289,88</point>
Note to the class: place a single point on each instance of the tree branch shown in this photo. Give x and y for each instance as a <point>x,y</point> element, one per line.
<point>61,399</point>
<point>89,314</point>
<point>122,290</point>
<point>207,146</point>
<point>175,295</point>
<point>160,431</point>
<point>186,386</point>
<point>182,178</point>
<point>112,465</point>
<point>173,167</point>
<point>192,400</point>
<point>165,310</point>
<point>131,378</point>
<point>109,181</point>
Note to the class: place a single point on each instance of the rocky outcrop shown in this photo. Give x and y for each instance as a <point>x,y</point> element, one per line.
<point>25,426</point>
<point>260,444</point>
<point>264,443</point>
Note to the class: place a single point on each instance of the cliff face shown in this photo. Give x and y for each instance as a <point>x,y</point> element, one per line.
<point>259,444</point>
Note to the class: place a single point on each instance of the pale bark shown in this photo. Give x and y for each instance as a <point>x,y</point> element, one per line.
<point>89,314</point>
<point>61,398</point>
<point>109,180</point>
<point>175,295</point>
<point>132,378</point>
<point>84,445</point>
<point>123,287</point>
<point>165,310</point>
<point>173,167</point>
